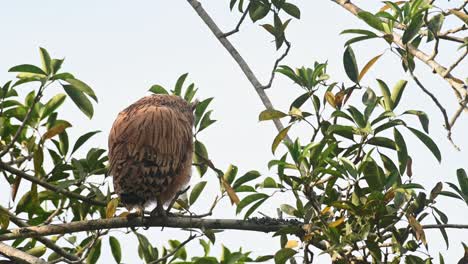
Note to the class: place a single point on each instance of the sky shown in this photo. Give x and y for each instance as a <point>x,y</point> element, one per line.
<point>121,48</point>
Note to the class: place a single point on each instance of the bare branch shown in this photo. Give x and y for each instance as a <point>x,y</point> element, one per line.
<point>455,64</point>
<point>456,226</point>
<point>259,225</point>
<point>47,242</point>
<point>288,47</point>
<point>49,186</point>
<point>235,30</point>
<point>237,57</point>
<point>19,256</point>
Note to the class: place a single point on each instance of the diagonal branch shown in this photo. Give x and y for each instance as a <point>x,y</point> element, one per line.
<point>237,57</point>
<point>456,83</point>
<point>49,186</point>
<point>175,250</point>
<point>19,256</point>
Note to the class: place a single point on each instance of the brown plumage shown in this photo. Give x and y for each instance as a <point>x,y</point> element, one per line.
<point>150,150</point>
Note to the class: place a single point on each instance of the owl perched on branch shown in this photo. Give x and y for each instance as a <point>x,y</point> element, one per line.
<point>150,151</point>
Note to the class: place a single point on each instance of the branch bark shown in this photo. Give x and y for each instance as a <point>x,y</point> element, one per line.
<point>19,256</point>
<point>265,225</point>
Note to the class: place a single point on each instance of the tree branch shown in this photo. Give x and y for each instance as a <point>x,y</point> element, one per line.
<point>455,83</point>
<point>190,238</point>
<point>19,256</point>
<point>49,186</point>
<point>260,225</point>
<point>237,57</point>
<point>456,226</point>
<point>47,242</point>
<point>236,29</point>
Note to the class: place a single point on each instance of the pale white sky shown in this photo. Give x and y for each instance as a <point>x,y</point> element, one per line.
<point>121,48</point>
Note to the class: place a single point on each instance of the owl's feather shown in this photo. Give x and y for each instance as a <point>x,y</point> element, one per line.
<point>150,149</point>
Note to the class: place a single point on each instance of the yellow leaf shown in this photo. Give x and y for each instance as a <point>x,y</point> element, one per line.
<point>14,187</point>
<point>385,7</point>
<point>368,66</point>
<point>325,210</point>
<point>295,112</point>
<point>55,130</point>
<point>112,207</point>
<point>291,244</point>
<point>417,228</point>
<point>231,193</point>
<point>123,214</point>
<point>308,237</point>
<point>339,98</point>
<point>281,135</point>
<point>337,222</point>
<point>330,97</point>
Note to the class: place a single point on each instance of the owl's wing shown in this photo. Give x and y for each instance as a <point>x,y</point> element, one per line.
<point>158,137</point>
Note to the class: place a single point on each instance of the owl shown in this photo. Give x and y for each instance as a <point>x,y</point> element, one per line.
<point>150,151</point>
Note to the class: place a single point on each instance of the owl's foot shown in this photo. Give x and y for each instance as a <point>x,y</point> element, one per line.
<point>159,212</point>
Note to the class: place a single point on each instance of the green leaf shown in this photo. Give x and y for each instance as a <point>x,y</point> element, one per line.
<point>359,31</point>
<point>55,65</point>
<point>389,106</point>
<point>284,255</point>
<point>158,89</point>
<point>179,84</point>
<point>52,105</point>
<point>350,65</point>
<point>80,100</point>
<point>28,68</point>
<point>397,92</point>
<point>401,150</point>
<point>82,87</point>
<point>206,121</point>
<point>250,199</point>
<point>270,114</point>
<point>81,140</point>
<point>281,135</point>
<point>413,28</point>
<point>249,176</point>
<point>94,253</point>
<point>382,142</point>
<point>288,209</point>
<point>371,20</point>
<point>434,25</point>
<point>200,155</point>
<point>422,118</point>
<point>463,182</point>
<point>45,59</point>
<point>258,11</point>
<point>200,110</point>
<point>196,190</point>
<point>428,142</point>
<point>291,10</point>
<point>115,249</point>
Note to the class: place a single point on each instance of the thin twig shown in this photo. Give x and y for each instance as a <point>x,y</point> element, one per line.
<point>175,250</point>
<point>235,30</point>
<point>179,193</point>
<point>456,226</point>
<point>455,64</point>
<point>288,47</point>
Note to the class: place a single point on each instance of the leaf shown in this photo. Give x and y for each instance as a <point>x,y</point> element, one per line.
<point>196,190</point>
<point>94,253</point>
<point>434,26</point>
<point>206,121</point>
<point>27,68</point>
<point>330,97</point>
<point>258,11</point>
<point>158,89</point>
<point>81,140</point>
<point>386,94</point>
<point>401,150</point>
<point>336,223</point>
<point>423,119</point>
<point>284,255</point>
<point>413,29</point>
<point>38,160</point>
<point>350,65</point>
<point>115,249</point>
<point>45,59</point>
<point>435,191</point>
<point>250,199</point>
<point>52,105</point>
<point>292,244</point>
<point>112,207</point>
<point>398,91</point>
<point>55,65</point>
<point>288,209</point>
<point>179,84</point>
<point>368,65</point>
<point>82,87</point>
<point>80,100</point>
<point>359,31</point>
<point>231,193</point>
<point>428,142</point>
<point>63,76</point>
<point>200,156</point>
<point>270,114</point>
<point>249,176</point>
<point>200,109</point>
<point>382,142</point>
<point>281,135</point>
<point>55,130</point>
<point>291,10</point>
<point>417,228</point>
<point>463,182</point>
<point>371,20</point>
